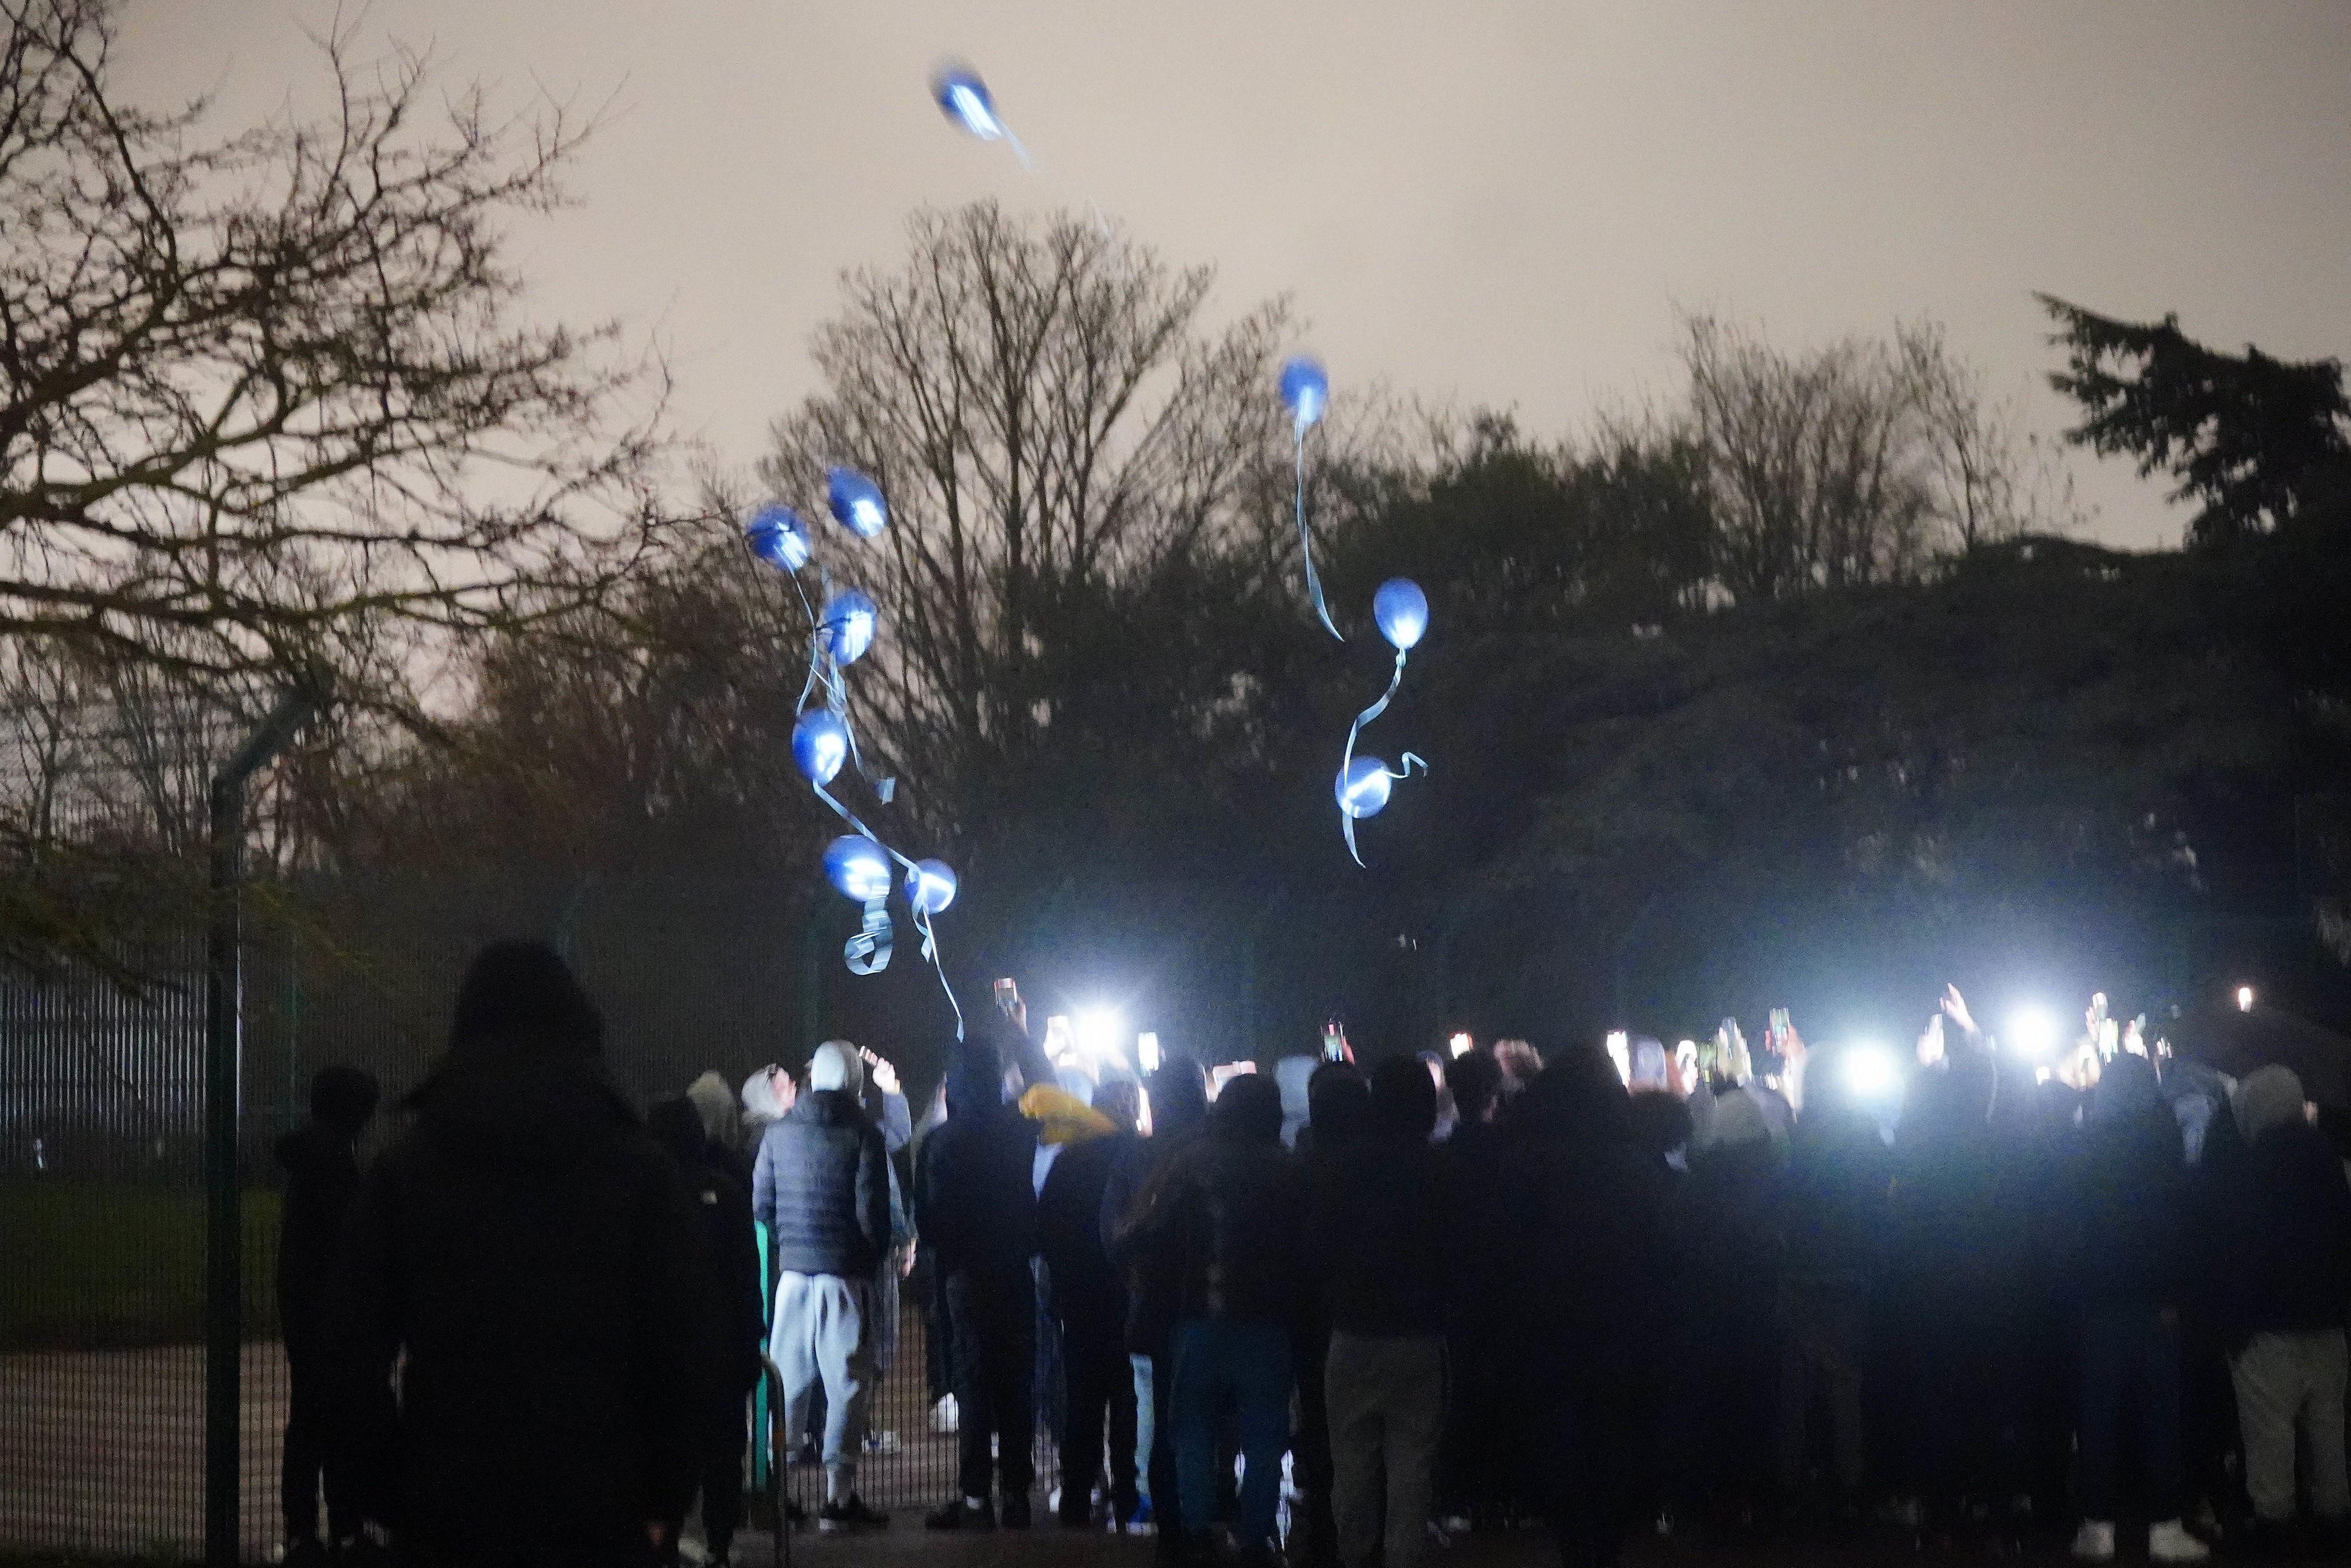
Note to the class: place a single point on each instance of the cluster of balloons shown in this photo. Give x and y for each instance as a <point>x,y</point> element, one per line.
<point>859,864</point>
<point>1363,782</point>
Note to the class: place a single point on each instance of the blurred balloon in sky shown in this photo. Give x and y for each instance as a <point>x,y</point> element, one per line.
<point>930,885</point>
<point>856,502</point>
<point>964,98</point>
<point>820,745</point>
<point>1305,391</point>
<point>847,625</point>
<point>857,866</point>
<point>1401,610</point>
<point>777,536</point>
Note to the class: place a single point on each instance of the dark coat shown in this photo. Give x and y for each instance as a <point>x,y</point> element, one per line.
<point>322,1177</point>
<point>730,1248</point>
<point>975,1195</point>
<point>1069,1231</point>
<point>1839,1179</point>
<point>822,1187</point>
<point>2127,1204</point>
<point>2285,1263</point>
<point>1226,1228</point>
<point>1382,1216</point>
<point>533,1255</point>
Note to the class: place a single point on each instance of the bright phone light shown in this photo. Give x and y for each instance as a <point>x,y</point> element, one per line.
<point>2032,1032</point>
<point>1146,1051</point>
<point>1098,1031</point>
<point>2245,999</point>
<point>1870,1073</point>
<point>1620,1052</point>
<point>1461,1044</point>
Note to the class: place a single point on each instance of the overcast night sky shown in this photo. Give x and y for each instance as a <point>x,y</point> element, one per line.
<point>1495,204</point>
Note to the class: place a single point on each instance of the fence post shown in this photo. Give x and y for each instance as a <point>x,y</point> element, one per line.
<point>224,1229</point>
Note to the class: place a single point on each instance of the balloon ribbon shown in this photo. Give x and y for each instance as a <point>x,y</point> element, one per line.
<point>1306,544</point>
<point>1346,821</point>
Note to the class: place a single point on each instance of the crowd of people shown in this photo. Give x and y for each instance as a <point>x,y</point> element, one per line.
<point>1325,1313</point>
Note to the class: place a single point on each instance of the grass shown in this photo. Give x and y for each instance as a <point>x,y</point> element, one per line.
<point>87,1265</point>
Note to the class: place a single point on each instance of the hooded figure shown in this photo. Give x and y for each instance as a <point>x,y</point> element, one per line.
<point>975,1210</point>
<point>2285,1272</point>
<point>322,1177</point>
<point>1089,1302</point>
<point>822,1189</point>
<point>722,1128</point>
<point>1227,1231</point>
<point>1381,1209</point>
<point>531,1254</point>
<point>730,1278</point>
<point>2127,1248</point>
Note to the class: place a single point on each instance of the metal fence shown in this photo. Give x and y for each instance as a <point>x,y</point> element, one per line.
<point>101,1169</point>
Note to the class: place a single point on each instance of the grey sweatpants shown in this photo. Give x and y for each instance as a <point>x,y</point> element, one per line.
<point>821,1331</point>
<point>1387,1397</point>
<point>2285,1380</point>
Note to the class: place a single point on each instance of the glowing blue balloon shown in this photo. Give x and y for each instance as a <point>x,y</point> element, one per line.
<point>855,864</point>
<point>931,886</point>
<point>963,98</point>
<point>820,745</point>
<point>847,625</point>
<point>777,536</point>
<point>1362,787</point>
<point>1401,610</point>
<point>1305,391</point>
<point>856,502</point>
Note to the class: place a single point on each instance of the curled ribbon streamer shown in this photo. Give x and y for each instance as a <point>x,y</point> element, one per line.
<point>868,952</point>
<point>1346,822</point>
<point>1306,544</point>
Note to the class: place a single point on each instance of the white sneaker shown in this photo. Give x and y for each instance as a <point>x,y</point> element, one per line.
<point>944,1415</point>
<point>2095,1542</point>
<point>2168,1542</point>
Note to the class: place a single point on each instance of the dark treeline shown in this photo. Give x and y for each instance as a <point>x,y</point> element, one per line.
<point>1788,691</point>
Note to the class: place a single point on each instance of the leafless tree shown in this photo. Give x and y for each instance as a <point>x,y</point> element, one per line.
<point>257,384</point>
<point>1044,403</point>
<point>1989,478</point>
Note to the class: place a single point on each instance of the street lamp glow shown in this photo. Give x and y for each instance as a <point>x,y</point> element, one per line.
<point>2245,999</point>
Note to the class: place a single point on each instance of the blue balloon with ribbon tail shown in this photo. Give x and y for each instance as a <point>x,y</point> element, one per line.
<point>1362,787</point>
<point>847,626</point>
<point>930,886</point>
<point>1306,393</point>
<point>857,865</point>
<point>1401,611</point>
<point>820,745</point>
<point>777,536</point>
<point>856,502</point>
<point>965,99</point>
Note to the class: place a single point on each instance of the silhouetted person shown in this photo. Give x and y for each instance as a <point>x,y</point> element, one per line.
<point>2285,1275</point>
<point>1090,1306</point>
<point>822,1186</point>
<point>730,1277</point>
<point>1380,1217</point>
<point>1179,1114</point>
<point>1339,1105</point>
<point>1585,1215</point>
<point>2127,1248</point>
<point>532,1254</point>
<point>975,1210</point>
<point>1840,1174</point>
<point>322,1177</point>
<point>1228,1227</point>
<point>1479,1404</point>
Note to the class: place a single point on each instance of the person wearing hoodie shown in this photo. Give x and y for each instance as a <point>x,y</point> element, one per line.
<point>821,1187</point>
<point>975,1210</point>
<point>322,1176</point>
<point>730,1279</point>
<point>722,1128</point>
<point>525,1254</point>
<point>2285,1276</point>
<point>1381,1212</point>
<point>1338,1103</point>
<point>1840,1174</point>
<point>1227,1231</point>
<point>1089,1302</point>
<point>2127,1248</point>
<point>1177,1097</point>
